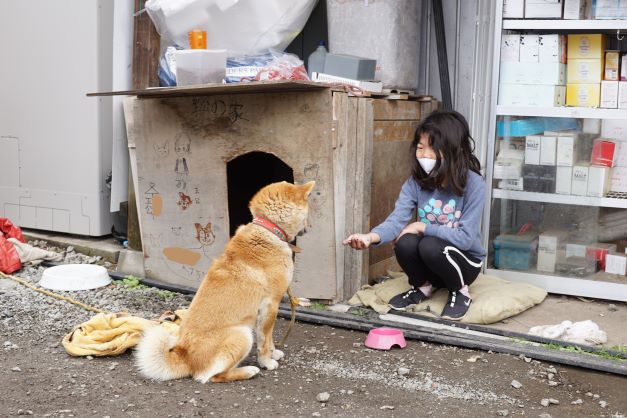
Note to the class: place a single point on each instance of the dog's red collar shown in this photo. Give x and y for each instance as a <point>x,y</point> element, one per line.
<point>276,230</point>
<point>271,226</point>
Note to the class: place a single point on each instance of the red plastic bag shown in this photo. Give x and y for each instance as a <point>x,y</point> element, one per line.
<point>9,258</point>
<point>10,231</point>
<point>283,66</point>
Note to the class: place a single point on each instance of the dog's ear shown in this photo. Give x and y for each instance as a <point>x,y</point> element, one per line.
<point>198,227</point>
<point>308,187</point>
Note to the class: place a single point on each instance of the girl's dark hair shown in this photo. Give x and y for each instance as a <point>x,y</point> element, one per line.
<point>450,138</point>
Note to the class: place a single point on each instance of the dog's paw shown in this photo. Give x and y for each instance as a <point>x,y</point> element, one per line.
<point>269,364</point>
<point>277,354</point>
<point>252,370</point>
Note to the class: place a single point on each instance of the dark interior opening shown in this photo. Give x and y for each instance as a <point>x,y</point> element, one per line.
<point>245,175</point>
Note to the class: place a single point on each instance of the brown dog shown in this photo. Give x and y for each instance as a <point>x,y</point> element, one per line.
<point>241,292</point>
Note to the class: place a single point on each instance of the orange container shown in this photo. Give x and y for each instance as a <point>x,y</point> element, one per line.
<point>197,39</point>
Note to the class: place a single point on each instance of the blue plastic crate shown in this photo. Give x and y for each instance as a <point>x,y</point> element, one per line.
<point>533,126</point>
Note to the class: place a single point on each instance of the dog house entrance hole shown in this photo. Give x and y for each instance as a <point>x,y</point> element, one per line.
<point>247,174</point>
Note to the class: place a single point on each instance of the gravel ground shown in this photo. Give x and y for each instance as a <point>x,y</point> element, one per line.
<point>327,371</point>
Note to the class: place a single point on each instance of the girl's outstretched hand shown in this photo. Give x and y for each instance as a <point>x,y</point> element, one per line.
<point>360,241</point>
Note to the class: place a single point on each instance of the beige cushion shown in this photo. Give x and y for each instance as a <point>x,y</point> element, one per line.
<point>493,299</point>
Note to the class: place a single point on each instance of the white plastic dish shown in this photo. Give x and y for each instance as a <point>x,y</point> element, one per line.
<point>75,277</point>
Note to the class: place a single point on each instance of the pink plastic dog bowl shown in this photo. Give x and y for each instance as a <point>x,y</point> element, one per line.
<point>385,338</point>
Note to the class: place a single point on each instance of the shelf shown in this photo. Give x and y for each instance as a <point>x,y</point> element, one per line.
<point>564,199</point>
<point>566,285</point>
<point>562,112</point>
<point>560,24</point>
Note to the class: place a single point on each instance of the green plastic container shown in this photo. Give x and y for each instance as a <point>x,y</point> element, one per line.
<point>515,251</point>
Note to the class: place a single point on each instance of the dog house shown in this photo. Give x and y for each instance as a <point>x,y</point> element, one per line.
<point>199,154</point>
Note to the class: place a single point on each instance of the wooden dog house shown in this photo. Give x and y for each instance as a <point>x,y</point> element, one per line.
<point>199,153</point>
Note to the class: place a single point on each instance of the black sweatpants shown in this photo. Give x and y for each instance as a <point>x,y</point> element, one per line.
<point>431,259</point>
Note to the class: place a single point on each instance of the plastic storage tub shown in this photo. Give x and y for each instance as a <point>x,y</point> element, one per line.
<point>515,251</point>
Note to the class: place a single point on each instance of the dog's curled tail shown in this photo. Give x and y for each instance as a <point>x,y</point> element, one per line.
<point>157,356</point>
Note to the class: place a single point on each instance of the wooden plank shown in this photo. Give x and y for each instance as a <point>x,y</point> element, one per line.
<point>394,130</point>
<point>340,120</point>
<point>351,257</point>
<point>146,45</point>
<point>382,267</point>
<point>274,86</point>
<point>395,109</point>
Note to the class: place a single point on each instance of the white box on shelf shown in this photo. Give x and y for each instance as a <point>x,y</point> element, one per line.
<point>622,94</point>
<point>598,181</point>
<point>543,9</point>
<point>618,182</point>
<point>609,94</point>
<point>620,154</point>
<point>579,185</point>
<point>566,151</point>
<point>605,9</point>
<point>552,49</point>
<point>511,184</point>
<point>513,9</point>
<point>614,129</point>
<point>548,150</point>
<point>616,264</point>
<point>575,250</point>
<point>510,48</point>
<point>533,73</point>
<point>532,150</point>
<point>548,243</point>
<point>563,180</point>
<point>531,95</point>
<point>529,48</point>
<point>507,169</point>
<point>591,126</point>
<point>577,9</point>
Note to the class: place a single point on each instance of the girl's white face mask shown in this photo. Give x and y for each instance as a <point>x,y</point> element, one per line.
<point>427,164</point>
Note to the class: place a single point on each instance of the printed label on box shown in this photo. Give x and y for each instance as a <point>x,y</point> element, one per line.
<point>510,48</point>
<point>529,48</point>
<point>532,150</point>
<point>575,250</point>
<point>616,264</point>
<point>579,185</point>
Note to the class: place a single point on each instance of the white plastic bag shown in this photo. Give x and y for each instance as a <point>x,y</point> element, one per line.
<point>242,27</point>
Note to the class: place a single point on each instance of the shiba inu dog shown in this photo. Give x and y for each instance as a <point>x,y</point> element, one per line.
<point>240,294</point>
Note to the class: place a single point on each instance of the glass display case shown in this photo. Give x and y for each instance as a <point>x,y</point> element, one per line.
<point>557,161</point>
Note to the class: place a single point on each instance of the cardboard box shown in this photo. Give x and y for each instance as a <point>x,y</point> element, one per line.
<point>598,181</point>
<point>539,178</point>
<point>620,158</point>
<point>552,49</point>
<point>566,151</point>
<point>623,66</point>
<point>532,150</point>
<point>614,129</point>
<point>612,60</point>
<point>513,9</point>
<point>576,250</point>
<point>618,181</point>
<point>507,169</point>
<point>511,184</point>
<point>510,48</point>
<point>548,244</point>
<point>543,9</point>
<point>529,48</point>
<point>584,71</point>
<point>609,94</point>
<point>563,180</point>
<point>531,95</point>
<point>622,94</point>
<point>603,153</point>
<point>599,251</point>
<point>616,264</point>
<point>586,46</point>
<point>532,73</point>
<point>579,185</point>
<point>592,126</point>
<point>583,95</point>
<point>577,9</point>
<point>548,150</point>
<point>605,9</point>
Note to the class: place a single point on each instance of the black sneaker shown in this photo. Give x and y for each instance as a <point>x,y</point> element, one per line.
<point>405,300</point>
<point>456,306</point>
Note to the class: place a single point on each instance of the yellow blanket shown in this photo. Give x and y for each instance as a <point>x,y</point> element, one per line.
<point>112,334</point>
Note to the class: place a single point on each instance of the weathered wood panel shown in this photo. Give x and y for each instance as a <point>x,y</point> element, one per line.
<point>181,147</point>
<point>394,130</point>
<point>395,110</point>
